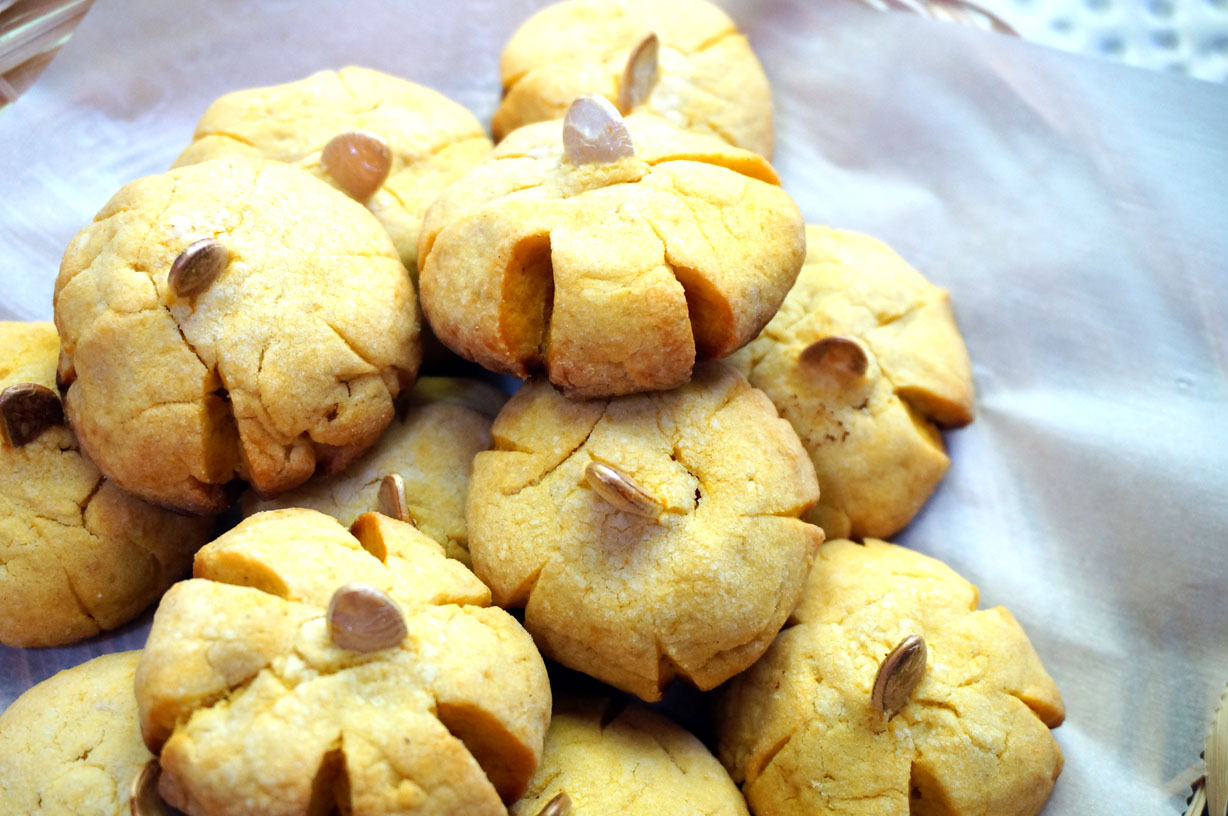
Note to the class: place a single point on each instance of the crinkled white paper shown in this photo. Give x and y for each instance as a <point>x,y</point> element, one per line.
<point>1077,210</point>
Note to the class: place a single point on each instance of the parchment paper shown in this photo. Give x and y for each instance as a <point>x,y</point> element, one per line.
<point>1076,209</point>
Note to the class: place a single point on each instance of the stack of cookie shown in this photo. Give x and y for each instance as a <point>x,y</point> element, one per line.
<point>712,387</point>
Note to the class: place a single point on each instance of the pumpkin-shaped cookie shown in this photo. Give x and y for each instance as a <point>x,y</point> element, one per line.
<point>891,693</point>
<point>611,262</point>
<point>79,555</point>
<point>646,536</point>
<point>71,744</point>
<point>866,362</point>
<point>306,666</point>
<point>606,759</point>
<point>234,318</point>
<point>684,60</point>
<point>387,142</point>
<point>418,471</point>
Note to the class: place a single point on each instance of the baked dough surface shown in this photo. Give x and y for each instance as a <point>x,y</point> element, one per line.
<point>628,762</point>
<point>698,592</point>
<point>433,140</point>
<point>255,710</point>
<point>798,730</point>
<point>612,277</point>
<point>71,744</point>
<point>431,446</point>
<point>709,80</point>
<point>77,554</point>
<point>288,362</point>
<point>875,439</point>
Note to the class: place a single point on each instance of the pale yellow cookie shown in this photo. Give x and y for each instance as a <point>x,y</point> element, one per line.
<point>71,744</point>
<point>430,447</point>
<point>431,140</point>
<point>707,78</point>
<point>626,761</point>
<point>276,351</point>
<point>261,700</point>
<point>802,731</point>
<point>79,555</point>
<point>612,277</point>
<point>866,362</point>
<point>687,564</point>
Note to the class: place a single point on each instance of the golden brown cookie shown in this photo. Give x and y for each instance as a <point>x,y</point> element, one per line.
<point>270,684</point>
<point>426,456</point>
<point>430,140</point>
<point>612,274</point>
<point>866,362</point>
<point>79,555</point>
<point>706,77</point>
<point>646,536</point>
<point>235,318</point>
<point>628,761</point>
<point>818,727</point>
<point>71,744</point>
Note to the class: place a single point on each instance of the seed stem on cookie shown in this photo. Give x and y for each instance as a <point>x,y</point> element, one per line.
<point>144,799</point>
<point>361,618</point>
<point>594,132</point>
<point>621,491</point>
<point>899,675</point>
<point>359,161</point>
<point>197,267</point>
<point>392,498</point>
<point>837,355</point>
<point>560,805</point>
<point>26,410</point>
<point>640,74</point>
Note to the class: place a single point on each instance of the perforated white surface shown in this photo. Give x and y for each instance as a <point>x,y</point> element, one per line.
<point>1181,36</point>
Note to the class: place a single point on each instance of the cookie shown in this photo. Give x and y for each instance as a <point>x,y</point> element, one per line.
<point>836,718</point>
<point>71,744</point>
<point>425,458</point>
<point>698,71</point>
<point>606,760</point>
<point>649,536</point>
<point>866,362</point>
<point>422,142</point>
<point>231,319</point>
<point>611,264</point>
<point>79,555</point>
<point>306,666</point>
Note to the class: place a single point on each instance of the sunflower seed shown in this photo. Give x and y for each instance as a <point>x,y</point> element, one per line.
<point>361,618</point>
<point>392,498</point>
<point>621,491</point>
<point>560,805</point>
<point>898,676</point>
<point>838,355</point>
<point>358,161</point>
<point>594,132</point>
<point>143,798</point>
<point>640,74</point>
<point>26,410</point>
<point>197,267</point>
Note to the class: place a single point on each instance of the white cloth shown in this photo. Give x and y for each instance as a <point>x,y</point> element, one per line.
<point>1077,210</point>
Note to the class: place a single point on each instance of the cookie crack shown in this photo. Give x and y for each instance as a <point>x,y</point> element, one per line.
<point>225,134</point>
<point>72,588</point>
<point>668,753</point>
<point>364,106</point>
<point>186,341</point>
<point>348,344</point>
<point>711,42</point>
<point>565,458</point>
